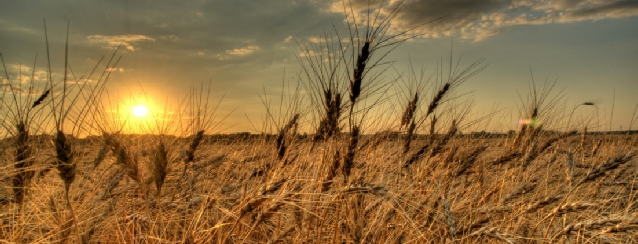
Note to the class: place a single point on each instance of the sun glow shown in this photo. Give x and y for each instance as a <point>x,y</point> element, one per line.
<point>140,111</point>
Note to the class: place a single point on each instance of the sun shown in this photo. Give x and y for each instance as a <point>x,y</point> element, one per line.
<point>140,111</point>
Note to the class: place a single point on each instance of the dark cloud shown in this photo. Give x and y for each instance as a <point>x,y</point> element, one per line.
<point>217,31</point>
<point>456,10</point>
<point>477,20</point>
<point>617,9</point>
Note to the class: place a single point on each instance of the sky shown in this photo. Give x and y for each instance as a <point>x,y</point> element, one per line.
<point>246,48</point>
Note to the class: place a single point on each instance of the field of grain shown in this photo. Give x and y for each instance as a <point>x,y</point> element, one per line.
<point>349,154</point>
<point>237,190</point>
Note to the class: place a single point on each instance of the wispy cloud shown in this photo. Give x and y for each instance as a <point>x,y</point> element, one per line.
<point>19,68</point>
<point>289,39</point>
<point>316,39</point>
<point>237,52</point>
<point>19,73</point>
<point>116,69</point>
<point>243,51</point>
<point>126,41</point>
<point>478,20</point>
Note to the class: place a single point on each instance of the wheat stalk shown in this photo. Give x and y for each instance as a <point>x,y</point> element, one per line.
<point>416,156</point>
<point>441,143</point>
<point>437,98</point>
<point>625,226</point>
<point>408,119</point>
<point>468,160</point>
<point>594,150</point>
<point>571,207</point>
<point>590,225</point>
<point>41,98</point>
<point>281,137</point>
<point>569,170</point>
<point>329,125</point>
<point>348,160</point>
<point>542,203</point>
<point>101,155</point>
<point>506,157</point>
<point>21,116</point>
<point>408,114</point>
<point>525,188</point>
<point>605,167</point>
<point>433,126</point>
<point>362,60</point>
<point>190,151</point>
<point>23,160</point>
<point>332,170</point>
<point>160,167</point>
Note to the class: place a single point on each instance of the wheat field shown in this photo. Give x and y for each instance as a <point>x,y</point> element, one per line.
<point>350,155</point>
<point>236,190</point>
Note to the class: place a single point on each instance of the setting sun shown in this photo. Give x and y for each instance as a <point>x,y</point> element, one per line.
<point>140,111</point>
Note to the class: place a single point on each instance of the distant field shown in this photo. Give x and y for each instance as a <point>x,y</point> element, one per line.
<point>470,190</point>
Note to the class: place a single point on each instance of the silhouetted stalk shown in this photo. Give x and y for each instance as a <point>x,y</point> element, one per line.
<point>329,125</point>
<point>433,127</point>
<point>408,119</point>
<point>190,152</point>
<point>355,84</point>
<point>23,161</point>
<point>450,133</point>
<point>281,136</point>
<point>437,99</point>
<point>348,160</point>
<point>408,137</point>
<point>408,114</point>
<point>332,171</point>
<point>160,167</point>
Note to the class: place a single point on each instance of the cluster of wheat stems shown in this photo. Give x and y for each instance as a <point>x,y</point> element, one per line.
<point>409,181</point>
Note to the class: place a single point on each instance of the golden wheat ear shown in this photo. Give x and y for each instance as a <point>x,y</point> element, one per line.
<point>23,160</point>
<point>192,147</point>
<point>64,159</point>
<point>160,167</point>
<point>281,142</point>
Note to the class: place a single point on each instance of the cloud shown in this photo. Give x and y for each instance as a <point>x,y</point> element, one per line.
<point>236,52</point>
<point>116,69</point>
<point>126,41</point>
<point>309,53</point>
<point>20,73</point>
<point>243,51</point>
<point>289,39</point>
<point>619,9</point>
<point>19,68</point>
<point>478,20</point>
<point>316,39</point>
